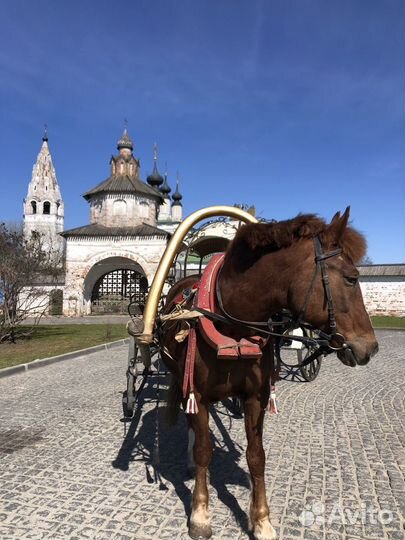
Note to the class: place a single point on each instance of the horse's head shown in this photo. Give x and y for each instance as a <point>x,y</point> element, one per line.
<point>281,262</point>
<point>341,248</point>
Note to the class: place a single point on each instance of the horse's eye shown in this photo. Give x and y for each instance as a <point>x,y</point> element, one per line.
<point>351,280</point>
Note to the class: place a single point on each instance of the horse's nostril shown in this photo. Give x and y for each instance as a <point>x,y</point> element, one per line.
<point>374,350</point>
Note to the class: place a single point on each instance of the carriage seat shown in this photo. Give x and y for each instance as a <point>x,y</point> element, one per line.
<point>205,298</point>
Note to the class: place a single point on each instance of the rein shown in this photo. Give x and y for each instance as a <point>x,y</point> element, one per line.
<point>327,342</point>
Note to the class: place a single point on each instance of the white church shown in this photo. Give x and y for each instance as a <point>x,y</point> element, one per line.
<point>115,256</point>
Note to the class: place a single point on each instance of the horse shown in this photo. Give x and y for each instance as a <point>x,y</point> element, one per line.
<point>302,266</point>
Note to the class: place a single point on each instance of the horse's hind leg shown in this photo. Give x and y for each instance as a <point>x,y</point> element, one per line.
<point>199,526</point>
<point>259,510</point>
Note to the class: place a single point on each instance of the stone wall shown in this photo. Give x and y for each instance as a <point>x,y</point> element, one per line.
<point>113,210</point>
<point>384,295</point>
<point>36,300</point>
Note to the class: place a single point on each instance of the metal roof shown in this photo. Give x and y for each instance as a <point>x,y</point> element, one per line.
<point>382,270</point>
<point>123,184</point>
<point>97,230</point>
<point>209,244</point>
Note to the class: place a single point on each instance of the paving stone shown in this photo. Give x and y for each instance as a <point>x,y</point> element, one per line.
<point>68,471</point>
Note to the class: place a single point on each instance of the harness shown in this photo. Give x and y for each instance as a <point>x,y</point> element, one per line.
<point>208,301</point>
<point>329,343</point>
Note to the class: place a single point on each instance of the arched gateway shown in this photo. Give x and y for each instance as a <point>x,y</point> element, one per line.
<point>112,283</point>
<point>113,291</point>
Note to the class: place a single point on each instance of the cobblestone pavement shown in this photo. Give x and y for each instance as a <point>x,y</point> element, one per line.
<point>335,456</point>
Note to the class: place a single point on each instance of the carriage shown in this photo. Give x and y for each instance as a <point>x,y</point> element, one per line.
<point>191,257</point>
<point>282,289</point>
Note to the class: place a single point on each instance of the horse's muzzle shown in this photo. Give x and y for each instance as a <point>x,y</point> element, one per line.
<point>358,352</point>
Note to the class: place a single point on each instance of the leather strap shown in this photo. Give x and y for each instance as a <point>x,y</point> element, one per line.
<point>188,381</point>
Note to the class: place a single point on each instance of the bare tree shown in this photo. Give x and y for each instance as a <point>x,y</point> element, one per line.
<point>23,264</point>
<point>366,260</point>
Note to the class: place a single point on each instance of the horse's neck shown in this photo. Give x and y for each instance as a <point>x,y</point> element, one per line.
<point>261,290</point>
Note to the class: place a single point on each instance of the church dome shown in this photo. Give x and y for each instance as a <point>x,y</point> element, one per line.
<point>165,188</point>
<point>125,141</point>
<point>177,196</point>
<point>155,179</point>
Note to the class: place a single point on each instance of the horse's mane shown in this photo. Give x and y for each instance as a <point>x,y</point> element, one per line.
<point>256,239</point>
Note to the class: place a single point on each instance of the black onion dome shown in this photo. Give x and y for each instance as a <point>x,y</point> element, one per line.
<point>155,179</point>
<point>177,196</point>
<point>165,188</point>
<point>125,141</point>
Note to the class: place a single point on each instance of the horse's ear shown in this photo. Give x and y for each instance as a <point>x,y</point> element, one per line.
<point>338,225</point>
<point>335,217</point>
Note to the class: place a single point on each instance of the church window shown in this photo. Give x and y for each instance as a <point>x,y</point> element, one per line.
<point>34,207</point>
<point>122,167</point>
<point>47,207</point>
<point>143,209</point>
<point>119,208</point>
<point>46,188</point>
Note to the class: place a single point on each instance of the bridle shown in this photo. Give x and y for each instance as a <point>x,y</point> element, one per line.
<point>325,343</point>
<point>322,267</point>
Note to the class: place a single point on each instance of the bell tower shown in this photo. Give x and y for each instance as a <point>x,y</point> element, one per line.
<point>43,206</point>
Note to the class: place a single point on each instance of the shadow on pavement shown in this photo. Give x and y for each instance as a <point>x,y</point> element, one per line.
<point>171,465</point>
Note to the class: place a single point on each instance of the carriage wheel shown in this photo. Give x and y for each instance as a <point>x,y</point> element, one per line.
<point>137,375</point>
<point>128,396</point>
<point>293,367</point>
<point>311,370</point>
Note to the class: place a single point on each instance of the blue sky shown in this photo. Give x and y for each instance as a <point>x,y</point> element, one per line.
<point>293,106</point>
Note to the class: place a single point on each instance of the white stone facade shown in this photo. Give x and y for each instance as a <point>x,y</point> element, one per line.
<point>43,206</point>
<point>384,295</point>
<point>87,259</point>
<point>36,300</point>
<point>112,210</point>
<point>177,213</point>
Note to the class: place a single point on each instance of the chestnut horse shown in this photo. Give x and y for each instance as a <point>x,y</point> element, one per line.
<point>268,267</point>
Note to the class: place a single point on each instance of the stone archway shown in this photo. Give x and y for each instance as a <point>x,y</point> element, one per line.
<point>112,283</point>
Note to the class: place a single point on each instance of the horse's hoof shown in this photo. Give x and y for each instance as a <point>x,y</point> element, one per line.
<point>264,530</point>
<point>199,532</point>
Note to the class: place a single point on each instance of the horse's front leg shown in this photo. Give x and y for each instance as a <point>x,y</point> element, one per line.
<point>259,510</point>
<point>199,526</point>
